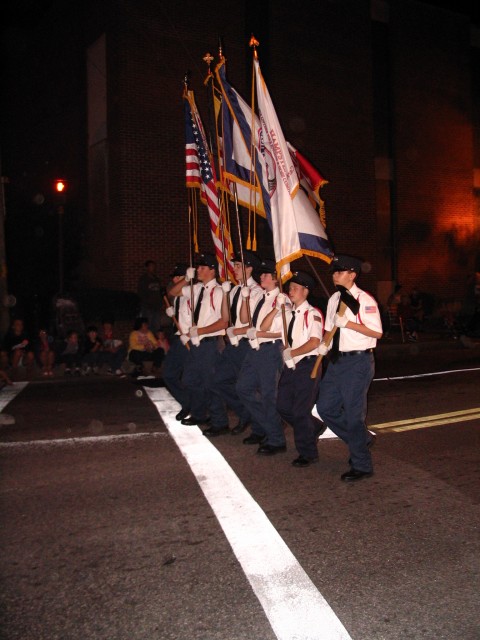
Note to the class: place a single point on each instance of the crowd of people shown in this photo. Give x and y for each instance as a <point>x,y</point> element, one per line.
<point>73,350</point>
<point>78,352</point>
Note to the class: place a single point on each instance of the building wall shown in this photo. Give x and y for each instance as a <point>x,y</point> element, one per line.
<point>150,49</point>
<point>433,146</point>
<point>384,113</point>
<point>323,96</point>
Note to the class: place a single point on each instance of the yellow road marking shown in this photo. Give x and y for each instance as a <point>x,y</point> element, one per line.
<point>428,421</point>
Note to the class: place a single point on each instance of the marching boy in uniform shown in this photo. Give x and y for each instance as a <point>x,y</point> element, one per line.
<point>237,345</point>
<point>342,399</point>
<point>296,388</point>
<point>258,380</point>
<point>206,328</point>
<point>176,356</point>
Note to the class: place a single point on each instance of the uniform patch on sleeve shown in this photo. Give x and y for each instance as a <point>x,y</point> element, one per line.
<point>317,318</point>
<point>371,309</point>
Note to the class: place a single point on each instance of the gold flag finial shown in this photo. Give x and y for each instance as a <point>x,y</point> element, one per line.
<point>254,43</point>
<point>208,58</point>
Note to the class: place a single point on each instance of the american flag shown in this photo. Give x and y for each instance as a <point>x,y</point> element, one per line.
<point>200,173</point>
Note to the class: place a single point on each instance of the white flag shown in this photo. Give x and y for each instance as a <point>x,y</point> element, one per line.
<point>296,226</point>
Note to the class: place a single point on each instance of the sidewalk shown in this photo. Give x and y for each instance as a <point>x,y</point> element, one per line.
<point>392,345</point>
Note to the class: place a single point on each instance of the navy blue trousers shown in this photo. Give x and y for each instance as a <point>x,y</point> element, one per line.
<point>226,375</point>
<point>198,372</point>
<point>257,389</point>
<point>342,404</point>
<point>295,402</point>
<point>173,371</point>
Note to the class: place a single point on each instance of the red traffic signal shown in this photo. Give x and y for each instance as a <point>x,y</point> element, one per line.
<point>60,187</point>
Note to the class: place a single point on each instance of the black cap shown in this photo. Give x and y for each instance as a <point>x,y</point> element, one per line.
<point>179,270</point>
<point>346,263</point>
<point>250,259</point>
<point>304,279</point>
<point>207,260</point>
<point>268,266</point>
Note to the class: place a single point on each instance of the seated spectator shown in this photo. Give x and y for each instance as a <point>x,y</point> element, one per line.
<point>162,341</point>
<point>114,351</point>
<point>17,347</point>
<point>143,347</point>
<point>4,379</point>
<point>92,358</point>
<point>44,352</point>
<point>389,311</point>
<point>70,353</point>
<point>416,303</point>
<point>406,312</point>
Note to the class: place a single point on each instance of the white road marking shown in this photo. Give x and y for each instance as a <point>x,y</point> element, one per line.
<point>294,607</point>
<point>66,442</point>
<point>425,375</point>
<point>8,393</point>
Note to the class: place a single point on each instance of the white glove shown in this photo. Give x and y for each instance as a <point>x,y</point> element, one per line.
<point>281,299</point>
<point>170,311</point>
<point>245,291</point>
<point>232,337</point>
<point>184,339</point>
<point>194,336</point>
<point>251,333</point>
<point>190,274</point>
<point>193,332</point>
<point>254,344</point>
<point>322,349</point>
<point>340,321</point>
<point>226,286</point>
<point>288,358</point>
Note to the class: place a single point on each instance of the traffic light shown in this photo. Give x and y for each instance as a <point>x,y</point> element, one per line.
<point>60,189</point>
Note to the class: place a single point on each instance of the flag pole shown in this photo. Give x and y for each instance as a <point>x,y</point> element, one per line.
<point>190,217</point>
<point>327,293</point>
<point>240,246</point>
<point>208,58</point>
<point>254,43</point>
<point>284,314</point>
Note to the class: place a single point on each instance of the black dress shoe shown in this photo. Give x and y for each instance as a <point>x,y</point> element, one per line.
<point>190,422</point>
<point>212,432</point>
<point>240,428</point>
<point>270,449</point>
<point>354,474</point>
<point>254,439</point>
<point>301,461</point>
<point>181,415</point>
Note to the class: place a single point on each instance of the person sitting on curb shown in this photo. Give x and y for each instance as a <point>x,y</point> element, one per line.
<point>143,347</point>
<point>44,352</point>
<point>71,353</point>
<point>17,347</point>
<point>92,351</point>
<point>114,351</point>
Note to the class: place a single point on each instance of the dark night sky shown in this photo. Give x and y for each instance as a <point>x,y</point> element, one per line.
<point>25,13</point>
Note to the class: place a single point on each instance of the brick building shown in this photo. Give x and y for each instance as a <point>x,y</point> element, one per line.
<point>383,97</point>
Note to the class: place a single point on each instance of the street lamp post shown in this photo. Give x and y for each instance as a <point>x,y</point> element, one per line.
<point>61,195</point>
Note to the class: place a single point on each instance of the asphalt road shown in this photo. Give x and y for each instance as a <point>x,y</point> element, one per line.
<point>106,533</point>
